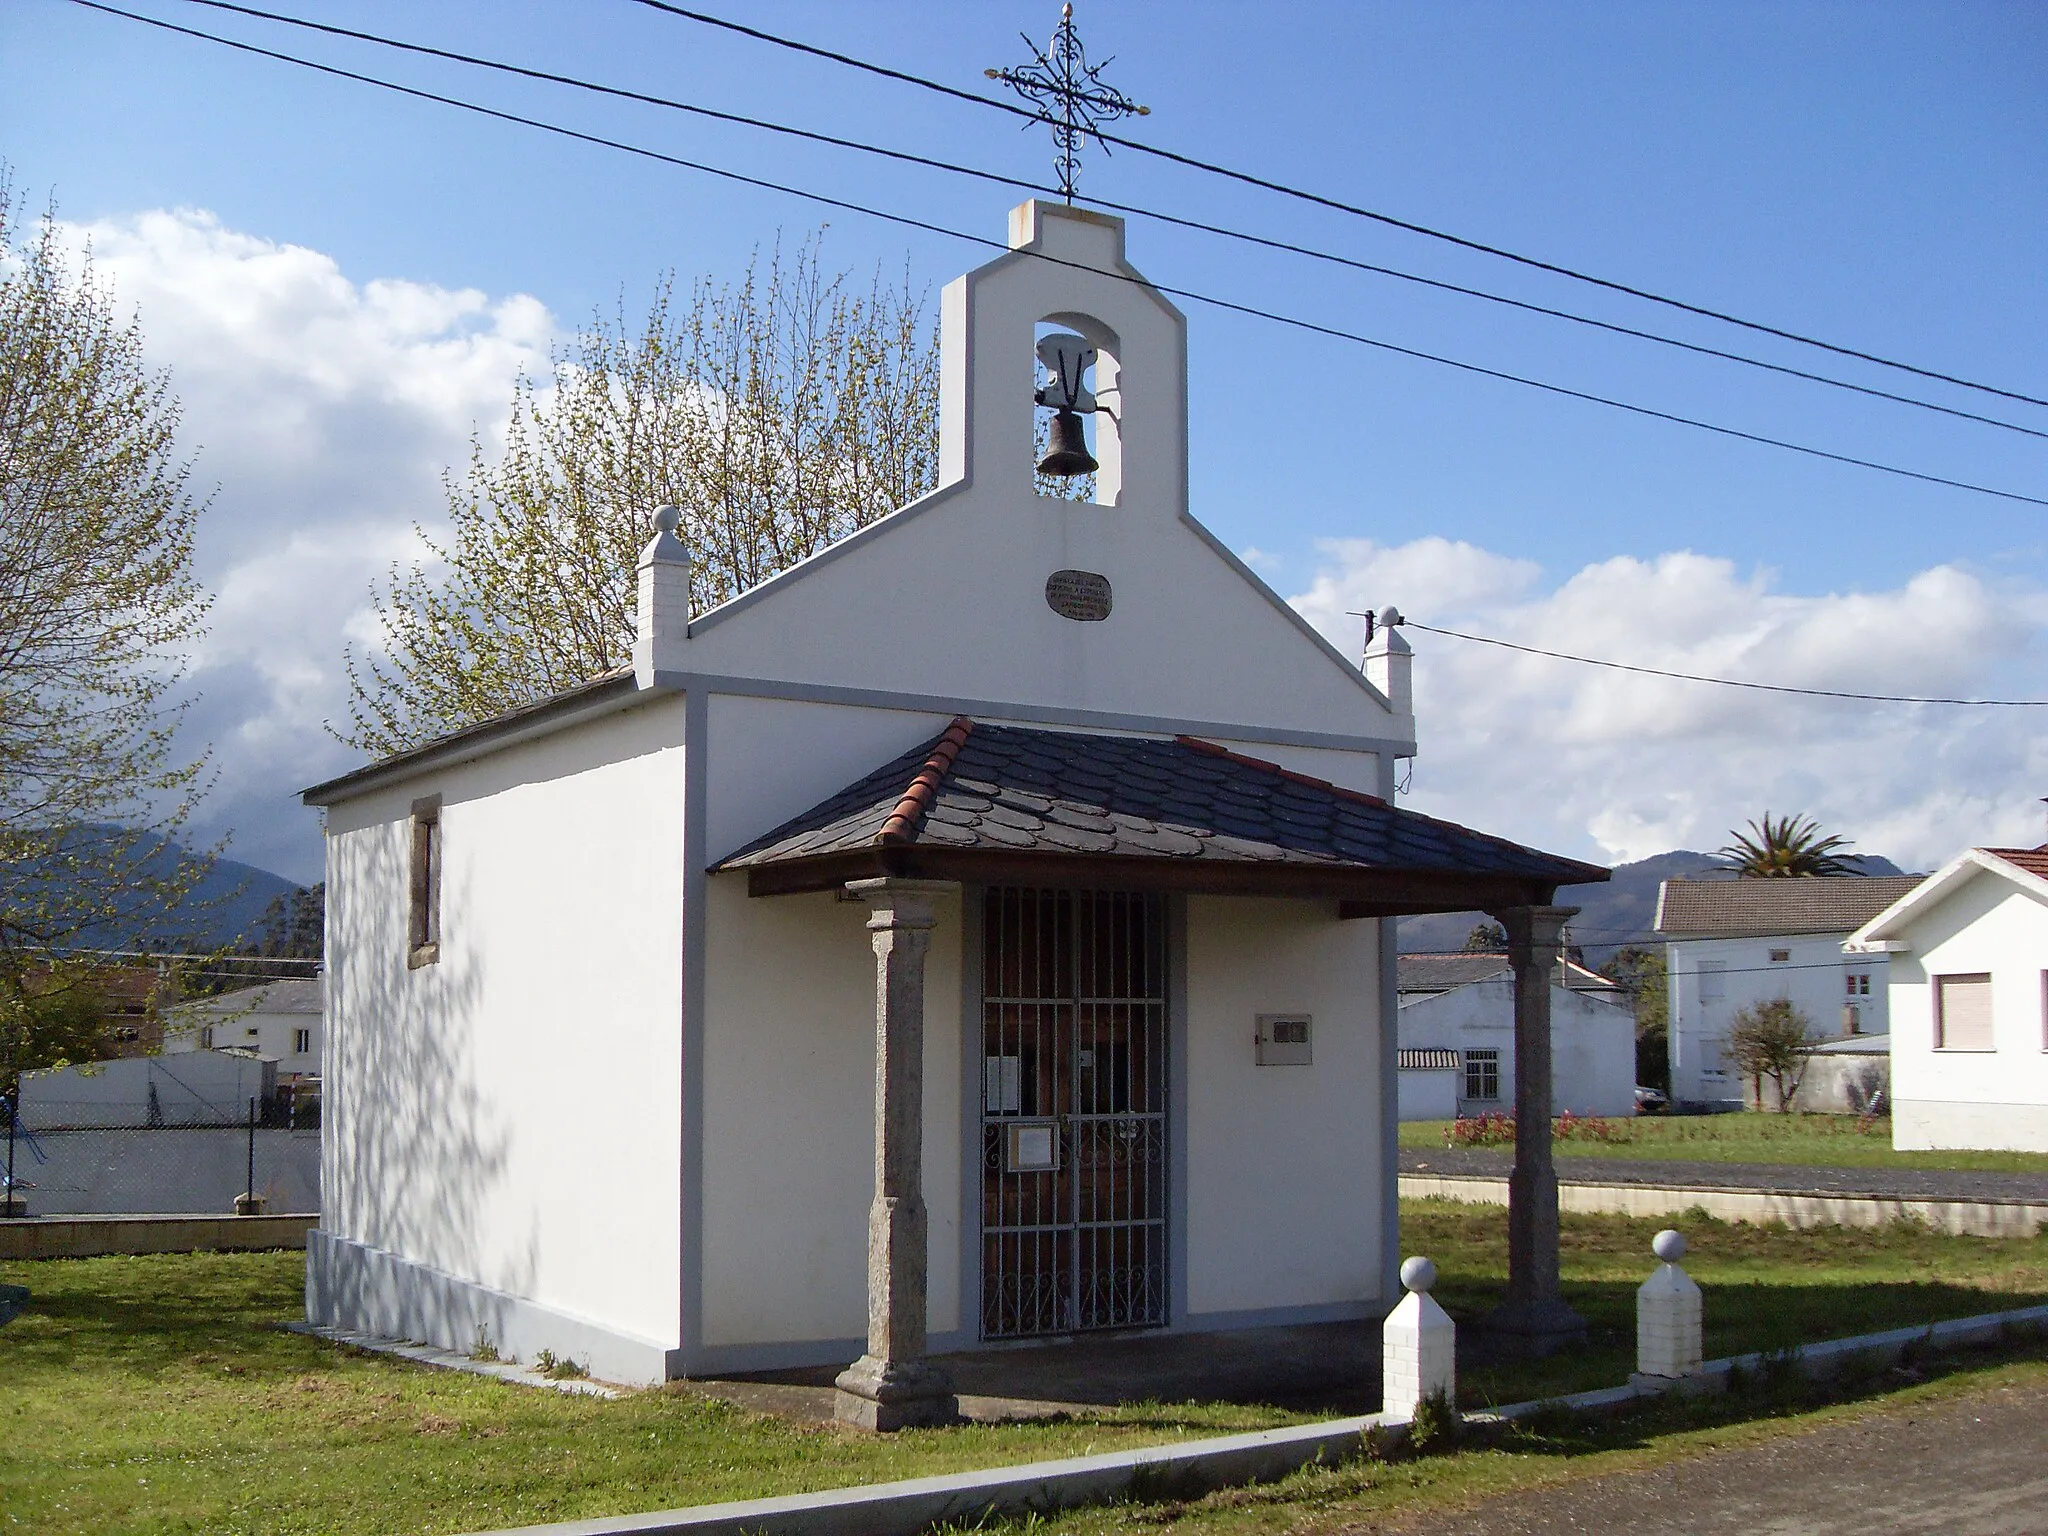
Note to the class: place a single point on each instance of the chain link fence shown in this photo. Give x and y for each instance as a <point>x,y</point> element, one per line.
<point>191,1168</point>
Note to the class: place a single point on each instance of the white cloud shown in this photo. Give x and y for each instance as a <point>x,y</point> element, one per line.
<point>1589,759</point>
<point>325,412</point>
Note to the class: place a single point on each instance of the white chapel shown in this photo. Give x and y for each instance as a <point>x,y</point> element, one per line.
<point>980,931</point>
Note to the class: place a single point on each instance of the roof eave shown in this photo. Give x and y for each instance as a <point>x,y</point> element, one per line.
<point>1881,934</point>
<point>543,717</point>
<point>1360,892</point>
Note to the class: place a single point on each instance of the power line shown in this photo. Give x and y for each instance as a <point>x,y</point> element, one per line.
<point>1728,682</point>
<point>1266,184</point>
<point>980,174</point>
<point>909,222</point>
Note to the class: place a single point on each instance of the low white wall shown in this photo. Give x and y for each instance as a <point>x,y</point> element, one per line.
<point>1284,1188</point>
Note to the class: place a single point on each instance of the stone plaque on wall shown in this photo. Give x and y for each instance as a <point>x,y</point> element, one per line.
<point>1079,595</point>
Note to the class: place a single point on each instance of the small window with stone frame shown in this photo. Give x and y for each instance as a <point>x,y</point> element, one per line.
<point>423,904</point>
<point>1482,1075</point>
<point>302,1041</point>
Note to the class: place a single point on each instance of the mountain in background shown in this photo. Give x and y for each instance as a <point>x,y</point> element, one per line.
<point>227,905</point>
<point>1619,911</point>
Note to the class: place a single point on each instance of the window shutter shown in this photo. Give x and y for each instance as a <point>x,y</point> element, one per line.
<point>1962,1019</point>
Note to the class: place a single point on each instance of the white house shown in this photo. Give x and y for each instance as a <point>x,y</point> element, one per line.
<point>990,910</point>
<point>276,1019</point>
<point>1457,1038</point>
<point>1969,1002</point>
<point>1731,943</point>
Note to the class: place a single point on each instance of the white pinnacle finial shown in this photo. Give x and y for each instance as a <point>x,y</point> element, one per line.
<point>1668,1245</point>
<point>667,519</point>
<point>1418,1274</point>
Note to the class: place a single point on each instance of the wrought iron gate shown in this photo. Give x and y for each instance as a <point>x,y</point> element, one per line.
<point>1074,1134</point>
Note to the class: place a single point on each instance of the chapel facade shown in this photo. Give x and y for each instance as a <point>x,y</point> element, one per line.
<point>981,931</point>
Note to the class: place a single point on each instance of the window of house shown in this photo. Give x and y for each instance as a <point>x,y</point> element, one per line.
<point>1779,956</point>
<point>302,1041</point>
<point>1856,983</point>
<point>423,926</point>
<point>1713,985</point>
<point>206,1037</point>
<point>1962,1013</point>
<point>1482,1074</point>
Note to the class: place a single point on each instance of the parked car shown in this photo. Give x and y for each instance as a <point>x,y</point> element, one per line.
<point>1650,1101</point>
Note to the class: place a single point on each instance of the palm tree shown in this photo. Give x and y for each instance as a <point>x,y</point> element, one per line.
<point>1789,846</point>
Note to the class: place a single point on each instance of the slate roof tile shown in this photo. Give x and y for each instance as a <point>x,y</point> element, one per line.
<point>1022,788</point>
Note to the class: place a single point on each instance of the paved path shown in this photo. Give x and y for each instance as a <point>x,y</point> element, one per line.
<point>1975,1466</point>
<point>1789,1178</point>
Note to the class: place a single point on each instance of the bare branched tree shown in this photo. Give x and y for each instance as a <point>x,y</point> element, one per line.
<point>780,415</point>
<point>99,611</point>
<point>1770,1040</point>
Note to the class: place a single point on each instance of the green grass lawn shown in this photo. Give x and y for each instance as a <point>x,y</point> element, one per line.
<point>156,1394</point>
<point>1829,1141</point>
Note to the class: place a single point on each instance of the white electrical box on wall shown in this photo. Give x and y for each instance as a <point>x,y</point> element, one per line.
<point>1284,1039</point>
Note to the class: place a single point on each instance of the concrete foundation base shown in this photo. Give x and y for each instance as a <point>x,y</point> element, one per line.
<point>1533,1329</point>
<point>881,1395</point>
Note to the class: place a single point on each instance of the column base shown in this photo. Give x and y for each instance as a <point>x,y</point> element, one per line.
<point>1533,1328</point>
<point>888,1395</point>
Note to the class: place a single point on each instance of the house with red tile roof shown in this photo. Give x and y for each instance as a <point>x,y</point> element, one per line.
<point>980,932</point>
<point>1968,954</point>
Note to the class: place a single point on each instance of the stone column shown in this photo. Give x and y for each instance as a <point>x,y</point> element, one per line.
<point>1534,1319</point>
<point>891,1387</point>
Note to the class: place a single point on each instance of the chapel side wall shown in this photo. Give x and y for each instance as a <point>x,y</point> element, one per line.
<point>789,1152</point>
<point>476,1108</point>
<point>789,1054</point>
<point>1973,1099</point>
<point>1283,1185</point>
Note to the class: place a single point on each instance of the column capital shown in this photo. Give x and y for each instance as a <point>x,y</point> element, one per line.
<point>1535,934</point>
<point>901,903</point>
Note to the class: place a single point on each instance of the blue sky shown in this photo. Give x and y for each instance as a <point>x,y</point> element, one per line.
<point>1871,174</point>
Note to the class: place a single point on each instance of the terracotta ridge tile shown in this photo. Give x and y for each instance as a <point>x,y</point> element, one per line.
<point>902,821</point>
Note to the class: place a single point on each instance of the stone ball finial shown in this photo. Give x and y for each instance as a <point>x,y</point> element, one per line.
<point>1391,617</point>
<point>1418,1273</point>
<point>1668,1245</point>
<point>667,519</point>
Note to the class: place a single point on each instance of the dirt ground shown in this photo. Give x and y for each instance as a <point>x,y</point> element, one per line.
<point>1971,1466</point>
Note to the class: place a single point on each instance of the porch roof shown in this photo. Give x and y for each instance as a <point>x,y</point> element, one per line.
<point>1002,804</point>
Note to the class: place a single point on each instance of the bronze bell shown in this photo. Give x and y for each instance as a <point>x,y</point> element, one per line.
<point>1067,452</point>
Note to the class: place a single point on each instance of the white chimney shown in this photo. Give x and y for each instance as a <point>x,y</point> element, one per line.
<point>1390,662</point>
<point>662,626</point>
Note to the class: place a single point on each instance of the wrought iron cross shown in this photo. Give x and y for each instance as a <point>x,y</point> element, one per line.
<point>1069,94</point>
